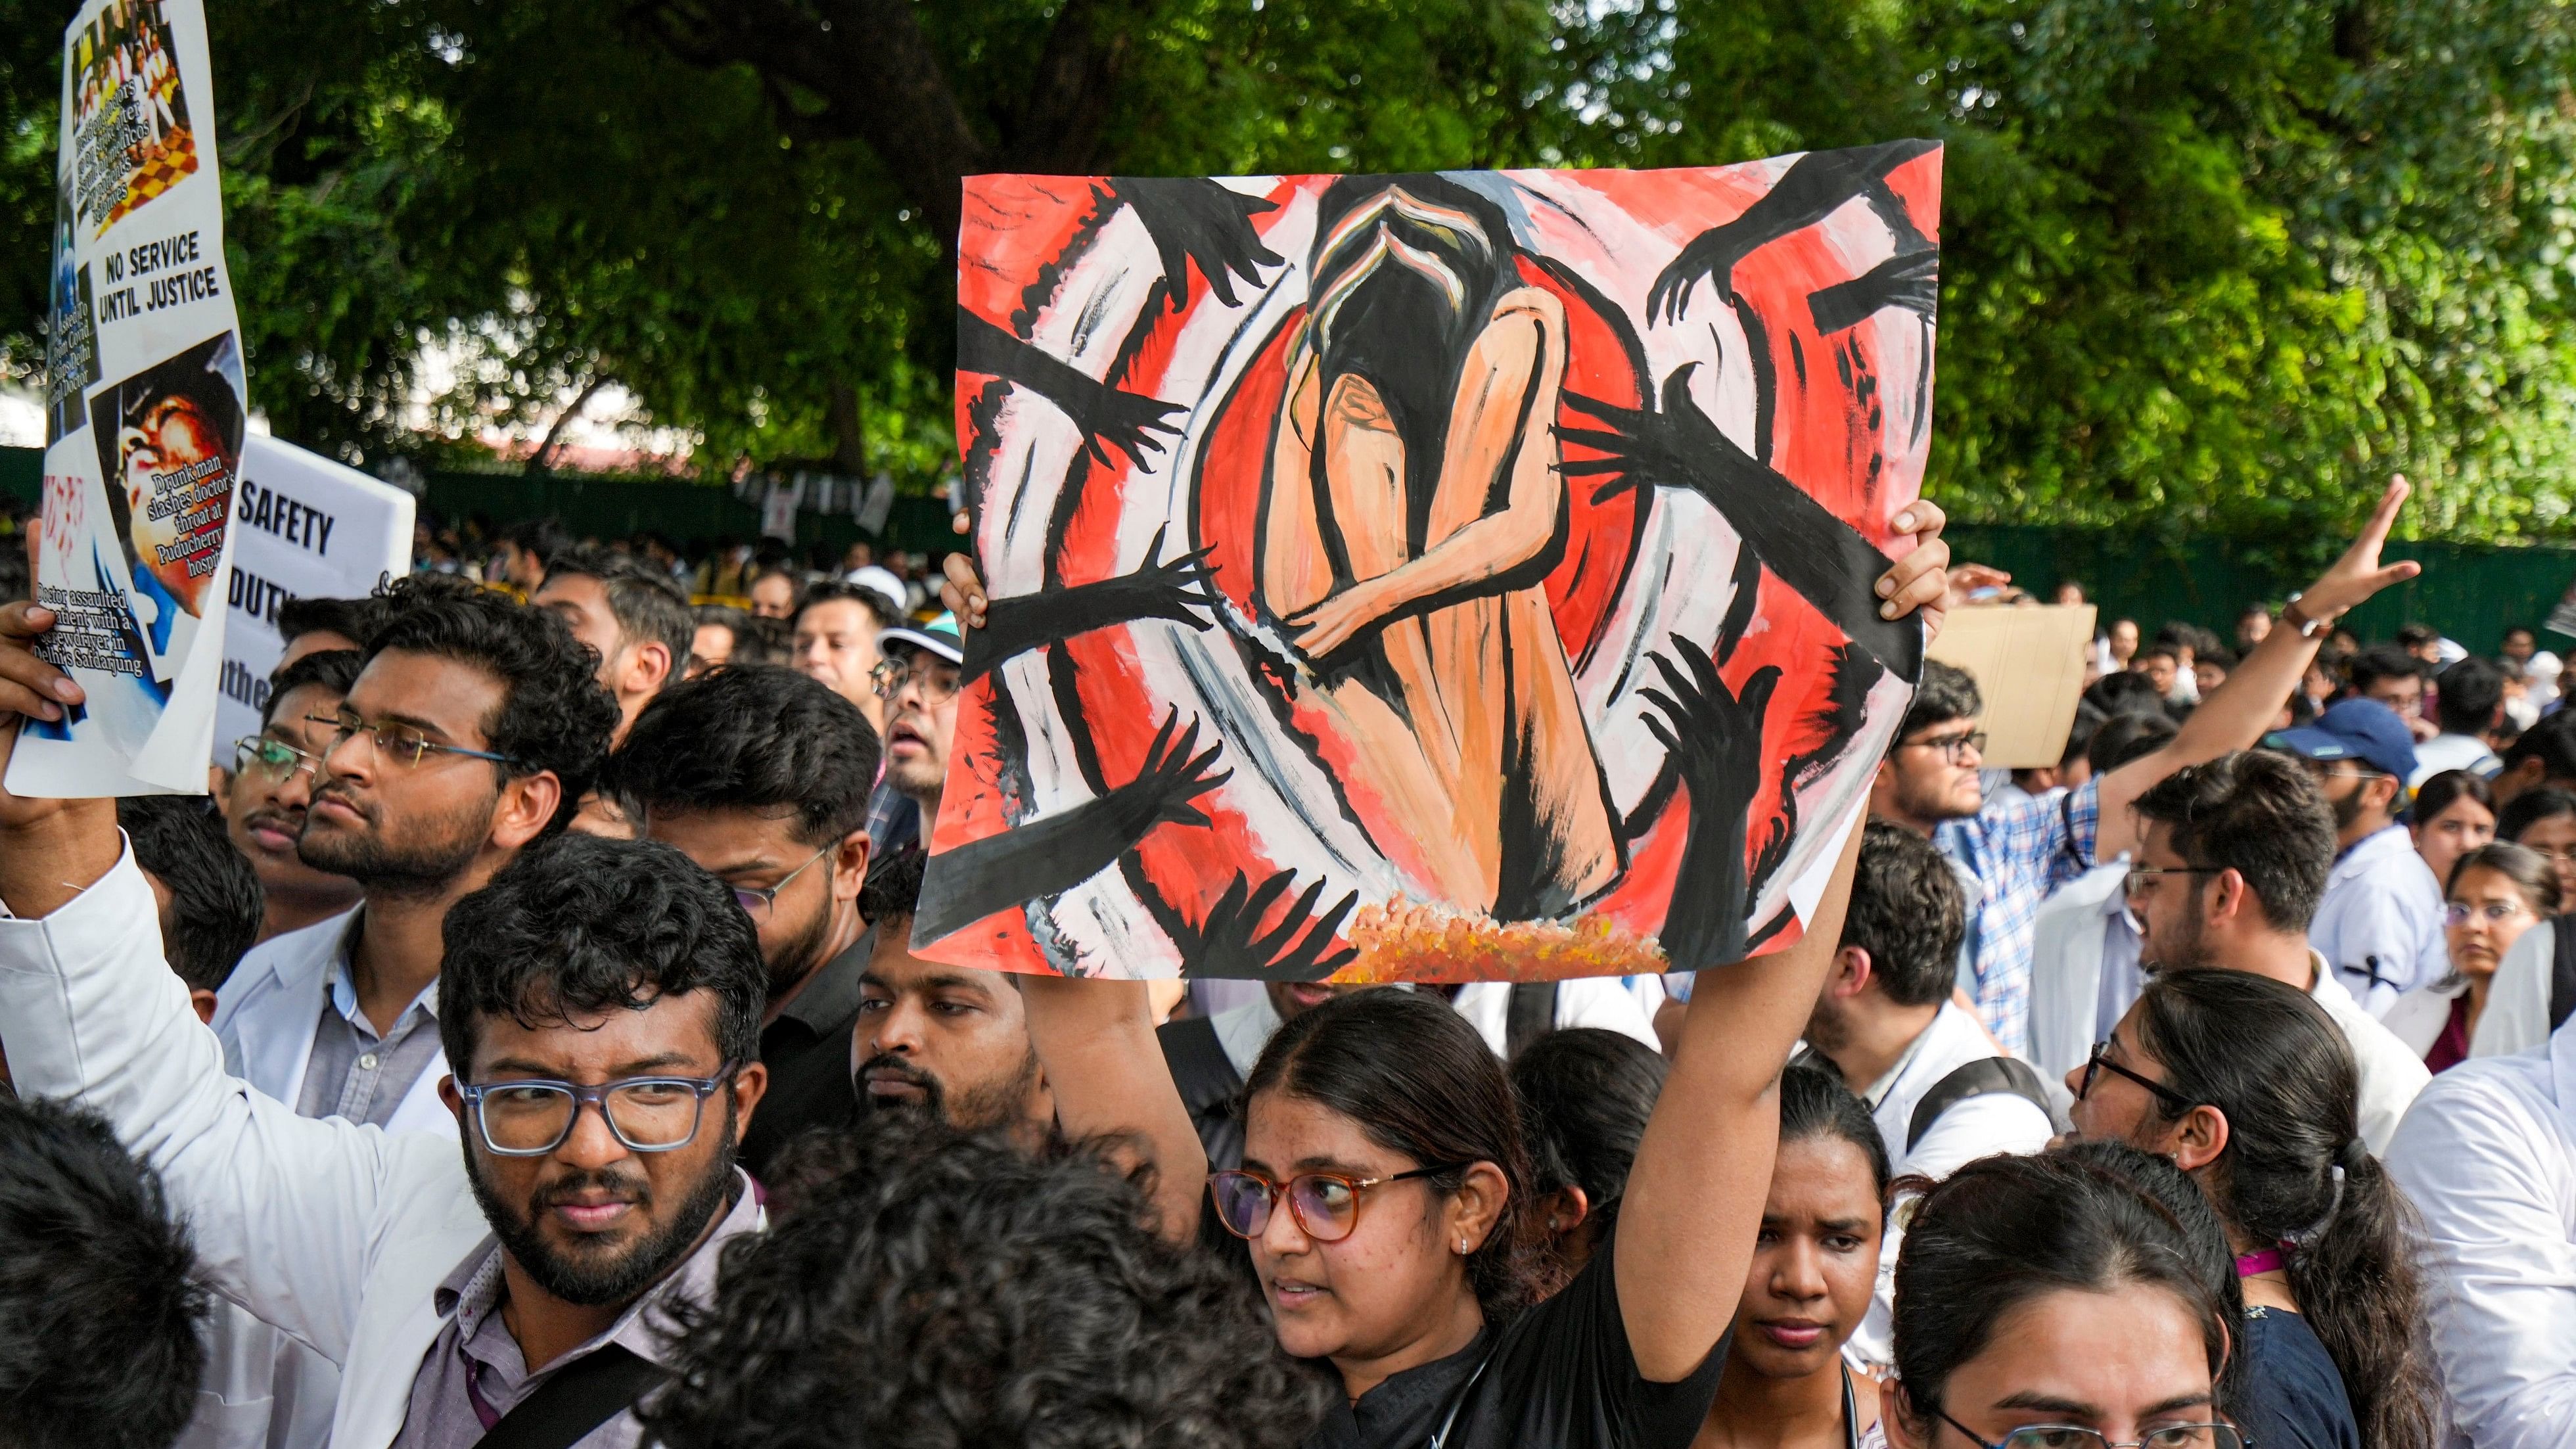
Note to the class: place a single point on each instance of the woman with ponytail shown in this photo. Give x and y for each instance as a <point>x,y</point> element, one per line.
<point>2249,1086</point>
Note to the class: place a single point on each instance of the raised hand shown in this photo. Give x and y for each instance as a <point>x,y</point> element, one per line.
<point>1230,942</point>
<point>1809,191</point>
<point>1714,738</point>
<point>1911,280</point>
<point>1193,219</point>
<point>1112,417</point>
<point>1108,416</point>
<point>1171,779</point>
<point>1182,590</point>
<point>2357,575</point>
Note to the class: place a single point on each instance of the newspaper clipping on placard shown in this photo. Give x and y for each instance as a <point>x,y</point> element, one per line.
<point>145,411</point>
<point>304,527</point>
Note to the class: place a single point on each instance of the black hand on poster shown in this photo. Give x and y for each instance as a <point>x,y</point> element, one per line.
<point>1050,856</point>
<point>1814,186</point>
<point>1911,281</point>
<point>1194,219</point>
<point>1714,738</point>
<point>1108,416</point>
<point>1797,538</point>
<point>1181,590</point>
<point>1230,942</point>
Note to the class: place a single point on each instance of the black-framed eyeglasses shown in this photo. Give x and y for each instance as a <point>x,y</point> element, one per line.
<point>401,743</point>
<point>1326,1205</point>
<point>2143,878</point>
<point>273,759</point>
<point>1952,746</point>
<point>2098,1063</point>
<point>2075,1436</point>
<point>758,901</point>
<point>534,1117</point>
<point>936,678</point>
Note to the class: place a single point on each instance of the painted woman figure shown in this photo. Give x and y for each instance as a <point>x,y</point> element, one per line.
<point>1413,509</point>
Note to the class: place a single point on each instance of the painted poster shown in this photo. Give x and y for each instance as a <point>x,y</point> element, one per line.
<point>304,527</point>
<point>1458,576</point>
<point>146,412</point>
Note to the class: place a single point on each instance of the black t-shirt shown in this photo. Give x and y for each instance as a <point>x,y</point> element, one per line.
<point>1559,1377</point>
<point>807,1050</point>
<point>2294,1396</point>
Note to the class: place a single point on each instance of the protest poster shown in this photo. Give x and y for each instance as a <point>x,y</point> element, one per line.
<point>1456,576</point>
<point>2033,656</point>
<point>146,409</point>
<point>304,527</point>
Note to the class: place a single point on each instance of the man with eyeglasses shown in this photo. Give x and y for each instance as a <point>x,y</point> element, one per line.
<point>761,775</point>
<point>2380,924</point>
<point>2011,855</point>
<point>2233,861</point>
<point>916,684</point>
<point>272,788</point>
<point>601,1001</point>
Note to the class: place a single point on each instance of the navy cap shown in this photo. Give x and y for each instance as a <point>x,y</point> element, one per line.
<point>2355,729</point>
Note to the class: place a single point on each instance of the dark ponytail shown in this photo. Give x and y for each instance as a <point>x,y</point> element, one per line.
<point>2005,1230</point>
<point>2296,1176</point>
<point>1585,1095</point>
<point>1418,1080</point>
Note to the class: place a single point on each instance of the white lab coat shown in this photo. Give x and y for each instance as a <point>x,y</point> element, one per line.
<point>2069,945</point>
<point>2382,904</point>
<point>267,1015</point>
<point>263,1389</point>
<point>1602,1001</point>
<point>2420,1015</point>
<point>2517,1014</point>
<point>335,1234</point>
<point>2391,1076</point>
<point>2488,1155</point>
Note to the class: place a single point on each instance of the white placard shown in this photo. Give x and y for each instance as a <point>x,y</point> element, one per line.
<point>304,527</point>
<point>146,411</point>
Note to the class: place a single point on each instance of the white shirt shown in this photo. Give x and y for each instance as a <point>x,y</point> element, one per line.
<point>2517,1014</point>
<point>2453,752</point>
<point>2382,904</point>
<point>2488,1156</point>
<point>2084,969</point>
<point>2390,1074</point>
<point>1976,1127</point>
<point>2420,1015</point>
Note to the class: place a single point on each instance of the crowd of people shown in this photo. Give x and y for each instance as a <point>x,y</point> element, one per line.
<point>523,1048</point>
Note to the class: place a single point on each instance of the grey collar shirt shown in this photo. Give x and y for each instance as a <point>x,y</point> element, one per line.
<point>355,1072</point>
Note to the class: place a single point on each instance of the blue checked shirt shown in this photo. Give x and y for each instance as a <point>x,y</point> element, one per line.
<point>2011,856</point>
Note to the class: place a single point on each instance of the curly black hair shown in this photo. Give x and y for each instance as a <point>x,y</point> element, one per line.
<point>648,606</point>
<point>554,715</point>
<point>1908,913</point>
<point>951,1290</point>
<point>755,738</point>
<point>581,925</point>
<point>1946,692</point>
<point>215,901</point>
<point>101,1304</point>
<point>355,620</point>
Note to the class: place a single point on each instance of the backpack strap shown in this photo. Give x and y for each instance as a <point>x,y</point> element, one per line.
<point>1979,1078</point>
<point>1531,1015</point>
<point>581,1396</point>
<point>2562,970</point>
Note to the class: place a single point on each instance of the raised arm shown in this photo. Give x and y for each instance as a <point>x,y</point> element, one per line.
<point>2237,714</point>
<point>284,1210</point>
<point>1095,1040</point>
<point>1694,1199</point>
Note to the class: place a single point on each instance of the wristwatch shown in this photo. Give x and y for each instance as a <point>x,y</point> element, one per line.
<point>2297,618</point>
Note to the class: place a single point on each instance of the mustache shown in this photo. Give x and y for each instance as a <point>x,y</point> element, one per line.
<point>609,1186</point>
<point>894,1066</point>
<point>279,817</point>
<point>341,790</point>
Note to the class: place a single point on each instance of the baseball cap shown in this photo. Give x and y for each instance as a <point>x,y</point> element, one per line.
<point>2355,729</point>
<point>939,636</point>
<point>880,580</point>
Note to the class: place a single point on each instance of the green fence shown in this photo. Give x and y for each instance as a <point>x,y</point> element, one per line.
<point>2470,593</point>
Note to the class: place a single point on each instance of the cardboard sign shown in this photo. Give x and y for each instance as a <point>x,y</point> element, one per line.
<point>145,412</point>
<point>2029,666</point>
<point>1457,576</point>
<point>304,527</point>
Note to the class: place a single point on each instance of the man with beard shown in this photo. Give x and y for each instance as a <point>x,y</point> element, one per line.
<point>2234,858</point>
<point>272,787</point>
<point>636,619</point>
<point>2380,924</point>
<point>2011,855</point>
<point>761,776</point>
<point>601,1001</point>
<point>940,1040</point>
<point>472,728</point>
